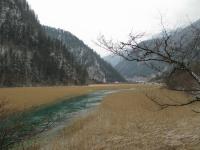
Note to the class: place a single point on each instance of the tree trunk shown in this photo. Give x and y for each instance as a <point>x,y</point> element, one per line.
<point>194,75</point>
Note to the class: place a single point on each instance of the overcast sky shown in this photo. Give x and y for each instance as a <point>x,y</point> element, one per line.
<point>114,18</point>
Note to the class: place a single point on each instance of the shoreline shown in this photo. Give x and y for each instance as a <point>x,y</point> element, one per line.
<point>28,97</point>
<point>129,120</point>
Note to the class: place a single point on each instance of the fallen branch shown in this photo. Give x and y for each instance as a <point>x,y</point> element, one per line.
<point>163,106</point>
<point>195,111</point>
<point>186,90</point>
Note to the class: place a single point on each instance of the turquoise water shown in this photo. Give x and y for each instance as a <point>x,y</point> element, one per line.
<point>55,116</point>
<point>50,117</point>
<point>64,110</point>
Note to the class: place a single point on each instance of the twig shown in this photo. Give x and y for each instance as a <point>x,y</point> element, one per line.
<point>163,106</point>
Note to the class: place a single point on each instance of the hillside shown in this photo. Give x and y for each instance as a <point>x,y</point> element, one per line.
<point>27,55</point>
<point>132,70</point>
<point>97,69</point>
<point>31,54</point>
<point>113,59</point>
<point>135,71</point>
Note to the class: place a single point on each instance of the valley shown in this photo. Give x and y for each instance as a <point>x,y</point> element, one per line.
<point>63,87</point>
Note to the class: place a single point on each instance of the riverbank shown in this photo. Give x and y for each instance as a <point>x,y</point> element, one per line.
<point>130,120</point>
<point>27,97</point>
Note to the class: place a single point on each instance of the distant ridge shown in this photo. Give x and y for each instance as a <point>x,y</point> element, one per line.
<point>132,70</point>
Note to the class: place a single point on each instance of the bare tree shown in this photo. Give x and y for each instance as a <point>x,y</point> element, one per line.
<point>179,50</point>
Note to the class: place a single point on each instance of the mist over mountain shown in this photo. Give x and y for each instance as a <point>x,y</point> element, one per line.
<point>134,71</point>
<point>131,70</point>
<point>32,54</point>
<point>113,59</point>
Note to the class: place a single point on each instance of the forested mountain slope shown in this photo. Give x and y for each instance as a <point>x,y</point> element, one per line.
<point>98,69</point>
<point>27,55</point>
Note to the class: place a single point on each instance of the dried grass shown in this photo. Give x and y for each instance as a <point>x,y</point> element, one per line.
<point>24,98</point>
<point>130,121</point>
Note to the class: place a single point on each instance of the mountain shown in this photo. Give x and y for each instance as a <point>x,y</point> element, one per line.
<point>113,59</point>
<point>135,71</point>
<point>130,70</point>
<point>97,69</point>
<point>28,56</point>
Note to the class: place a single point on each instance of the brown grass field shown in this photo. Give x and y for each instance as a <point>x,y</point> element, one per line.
<point>25,98</point>
<point>128,120</point>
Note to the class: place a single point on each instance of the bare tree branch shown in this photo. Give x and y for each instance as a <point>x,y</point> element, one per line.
<point>163,106</point>
<point>166,49</point>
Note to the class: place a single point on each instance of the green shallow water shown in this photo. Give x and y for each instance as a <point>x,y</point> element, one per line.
<point>57,114</point>
<point>65,110</point>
